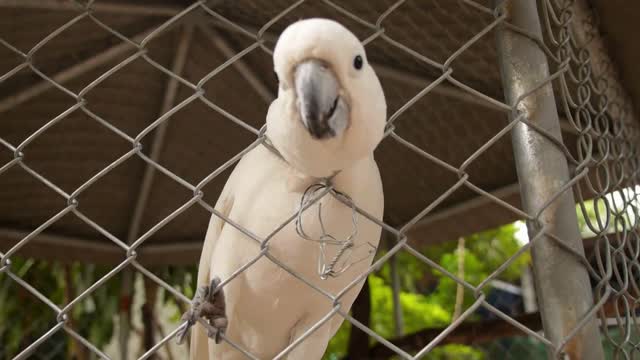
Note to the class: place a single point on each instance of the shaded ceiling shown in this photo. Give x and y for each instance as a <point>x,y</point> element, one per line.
<point>446,123</point>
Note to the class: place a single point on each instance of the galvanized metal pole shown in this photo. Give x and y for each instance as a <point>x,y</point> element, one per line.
<point>562,282</point>
<point>398,322</point>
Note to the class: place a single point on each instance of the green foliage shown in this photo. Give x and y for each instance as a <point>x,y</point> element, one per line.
<point>21,309</point>
<point>428,296</point>
<point>30,318</point>
<point>92,316</point>
<point>337,347</point>
<point>484,253</point>
<point>419,311</point>
<point>183,279</point>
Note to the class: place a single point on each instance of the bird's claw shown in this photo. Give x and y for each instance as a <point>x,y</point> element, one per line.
<point>208,303</point>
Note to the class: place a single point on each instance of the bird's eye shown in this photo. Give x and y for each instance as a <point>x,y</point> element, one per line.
<point>357,62</point>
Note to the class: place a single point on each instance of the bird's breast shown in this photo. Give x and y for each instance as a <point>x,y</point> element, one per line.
<point>272,196</point>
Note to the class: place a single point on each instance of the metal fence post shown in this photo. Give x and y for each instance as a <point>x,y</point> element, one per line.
<point>562,282</point>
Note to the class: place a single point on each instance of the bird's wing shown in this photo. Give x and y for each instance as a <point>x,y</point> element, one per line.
<point>223,206</point>
<point>199,339</point>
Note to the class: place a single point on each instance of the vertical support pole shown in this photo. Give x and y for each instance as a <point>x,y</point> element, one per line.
<point>128,278</point>
<point>561,281</point>
<point>398,323</point>
<point>528,291</point>
<point>124,316</point>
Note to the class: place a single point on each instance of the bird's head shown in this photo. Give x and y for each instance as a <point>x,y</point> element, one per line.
<point>330,109</point>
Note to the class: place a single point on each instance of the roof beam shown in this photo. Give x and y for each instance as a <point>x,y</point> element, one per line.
<point>240,65</point>
<point>163,10</point>
<point>447,90</point>
<point>468,205</point>
<point>70,73</point>
<point>68,249</point>
<point>436,228</point>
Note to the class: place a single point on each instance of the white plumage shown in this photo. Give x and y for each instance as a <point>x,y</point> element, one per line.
<point>329,116</point>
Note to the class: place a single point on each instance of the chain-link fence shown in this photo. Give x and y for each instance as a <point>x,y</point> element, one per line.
<point>582,139</point>
<point>597,106</point>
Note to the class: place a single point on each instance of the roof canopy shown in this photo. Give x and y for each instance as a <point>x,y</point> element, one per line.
<point>448,123</point>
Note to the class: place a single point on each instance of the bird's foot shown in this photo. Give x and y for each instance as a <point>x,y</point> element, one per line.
<point>208,303</point>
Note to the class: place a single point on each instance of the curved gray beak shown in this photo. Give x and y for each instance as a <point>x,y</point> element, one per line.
<point>317,91</point>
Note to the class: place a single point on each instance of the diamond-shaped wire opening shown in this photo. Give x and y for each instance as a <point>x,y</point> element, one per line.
<point>14,281</point>
<point>200,133</point>
<point>32,122</point>
<point>61,209</point>
<point>34,53</point>
<point>166,220</point>
<point>462,181</point>
<point>101,48</point>
<point>70,141</point>
<point>41,24</point>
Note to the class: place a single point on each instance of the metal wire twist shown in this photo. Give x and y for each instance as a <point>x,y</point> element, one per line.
<point>341,261</point>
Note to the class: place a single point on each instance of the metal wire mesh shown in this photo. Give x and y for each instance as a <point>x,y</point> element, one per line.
<point>606,162</point>
<point>607,146</point>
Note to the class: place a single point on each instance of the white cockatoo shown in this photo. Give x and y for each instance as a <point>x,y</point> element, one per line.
<point>328,118</point>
